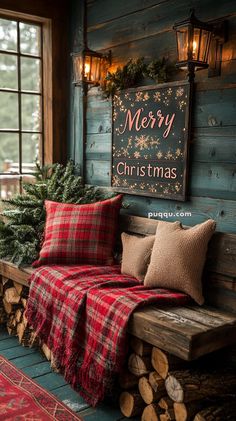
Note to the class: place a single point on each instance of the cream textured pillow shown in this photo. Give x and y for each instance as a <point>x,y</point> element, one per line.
<point>178,257</point>
<point>136,255</point>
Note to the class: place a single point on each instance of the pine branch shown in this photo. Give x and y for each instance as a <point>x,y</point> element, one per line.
<point>23,201</point>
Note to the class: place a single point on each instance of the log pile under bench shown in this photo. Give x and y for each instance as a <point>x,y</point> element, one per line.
<point>13,301</point>
<point>157,386</point>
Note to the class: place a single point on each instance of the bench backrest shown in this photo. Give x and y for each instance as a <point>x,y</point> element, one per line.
<point>219,278</point>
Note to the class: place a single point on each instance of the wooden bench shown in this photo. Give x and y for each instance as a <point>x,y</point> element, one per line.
<point>190,331</point>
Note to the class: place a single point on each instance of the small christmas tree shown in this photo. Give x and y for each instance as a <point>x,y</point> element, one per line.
<point>23,220</point>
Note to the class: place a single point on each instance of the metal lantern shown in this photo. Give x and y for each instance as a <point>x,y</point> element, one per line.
<point>89,67</point>
<point>193,42</point>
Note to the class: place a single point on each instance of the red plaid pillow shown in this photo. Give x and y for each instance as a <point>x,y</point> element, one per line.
<point>80,233</point>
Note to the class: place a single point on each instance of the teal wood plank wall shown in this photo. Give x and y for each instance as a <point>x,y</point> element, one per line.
<point>137,28</point>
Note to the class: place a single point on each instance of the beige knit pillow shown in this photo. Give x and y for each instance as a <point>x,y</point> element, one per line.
<point>136,255</point>
<point>178,257</point>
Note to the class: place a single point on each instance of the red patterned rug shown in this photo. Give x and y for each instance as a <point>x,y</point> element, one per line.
<point>21,399</point>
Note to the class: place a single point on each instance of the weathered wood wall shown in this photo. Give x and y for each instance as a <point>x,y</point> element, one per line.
<point>137,28</point>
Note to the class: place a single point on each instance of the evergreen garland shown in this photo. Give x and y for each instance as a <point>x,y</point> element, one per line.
<point>129,75</point>
<point>159,70</point>
<point>133,72</point>
<point>23,219</point>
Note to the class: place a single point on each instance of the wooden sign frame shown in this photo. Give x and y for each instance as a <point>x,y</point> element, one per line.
<point>150,140</point>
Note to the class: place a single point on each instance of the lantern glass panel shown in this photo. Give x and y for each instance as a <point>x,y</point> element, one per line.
<point>87,67</point>
<point>195,48</point>
<point>96,69</point>
<point>204,47</point>
<point>77,67</point>
<point>104,67</point>
<point>182,43</point>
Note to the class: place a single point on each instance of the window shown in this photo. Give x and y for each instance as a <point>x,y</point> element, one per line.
<point>22,102</point>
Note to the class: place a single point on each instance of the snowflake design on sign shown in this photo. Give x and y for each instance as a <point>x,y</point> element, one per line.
<point>139,96</point>
<point>142,142</point>
<point>159,155</point>
<point>137,154</point>
<point>179,92</point>
<point>146,97</point>
<point>157,97</point>
<point>115,181</point>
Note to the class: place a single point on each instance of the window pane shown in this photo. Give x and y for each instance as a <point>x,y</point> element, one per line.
<point>8,72</point>
<point>9,152</point>
<point>30,74</point>
<point>31,112</point>
<point>9,186</point>
<point>28,178</point>
<point>31,148</point>
<point>8,35</point>
<point>29,39</point>
<point>9,110</point>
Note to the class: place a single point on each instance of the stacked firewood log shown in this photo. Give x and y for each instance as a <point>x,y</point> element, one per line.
<point>158,386</point>
<point>13,302</point>
<point>3,314</point>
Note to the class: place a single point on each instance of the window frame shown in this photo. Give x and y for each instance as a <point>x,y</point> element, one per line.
<point>46,84</point>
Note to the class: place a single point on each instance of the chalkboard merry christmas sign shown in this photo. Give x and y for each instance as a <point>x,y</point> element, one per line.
<point>150,140</point>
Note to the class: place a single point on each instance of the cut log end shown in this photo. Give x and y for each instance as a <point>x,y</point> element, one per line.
<point>174,389</point>
<point>156,381</point>
<point>180,410</point>
<point>160,362</point>
<point>139,366</point>
<point>165,403</point>
<point>151,413</point>
<point>146,390</point>
<point>18,287</point>
<point>131,404</point>
<point>7,306</point>
<point>11,296</point>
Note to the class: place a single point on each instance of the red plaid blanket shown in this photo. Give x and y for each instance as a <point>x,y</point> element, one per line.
<point>81,313</point>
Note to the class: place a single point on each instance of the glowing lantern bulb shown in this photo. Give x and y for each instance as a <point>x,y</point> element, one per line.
<point>86,69</point>
<point>194,48</point>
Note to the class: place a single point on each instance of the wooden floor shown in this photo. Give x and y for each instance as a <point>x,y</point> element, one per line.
<point>31,362</point>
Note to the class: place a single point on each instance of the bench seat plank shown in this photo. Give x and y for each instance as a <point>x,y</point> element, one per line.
<point>216,312</point>
<point>11,271</point>
<point>148,328</point>
<point>179,322</point>
<point>182,332</point>
<point>193,314</point>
